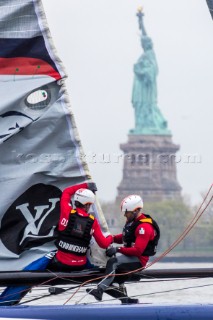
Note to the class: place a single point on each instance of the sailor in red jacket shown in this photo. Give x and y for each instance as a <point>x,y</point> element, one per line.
<point>140,238</point>
<point>76,227</point>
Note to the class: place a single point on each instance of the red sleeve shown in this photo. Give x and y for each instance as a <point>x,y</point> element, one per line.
<point>118,238</point>
<point>65,205</point>
<point>144,233</point>
<point>101,240</point>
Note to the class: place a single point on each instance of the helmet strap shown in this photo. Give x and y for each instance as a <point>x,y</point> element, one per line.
<point>133,216</point>
<point>136,213</point>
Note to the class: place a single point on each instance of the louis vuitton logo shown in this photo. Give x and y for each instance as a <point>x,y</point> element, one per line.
<point>35,223</point>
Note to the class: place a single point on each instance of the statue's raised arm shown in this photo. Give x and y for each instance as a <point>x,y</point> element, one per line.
<point>140,15</point>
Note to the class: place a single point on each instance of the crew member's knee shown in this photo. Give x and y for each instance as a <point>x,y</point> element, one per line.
<point>111,263</point>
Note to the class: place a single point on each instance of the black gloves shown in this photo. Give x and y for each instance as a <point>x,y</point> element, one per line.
<point>111,251</point>
<point>92,186</point>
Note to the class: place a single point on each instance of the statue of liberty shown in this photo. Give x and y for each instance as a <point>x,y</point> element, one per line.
<point>148,117</point>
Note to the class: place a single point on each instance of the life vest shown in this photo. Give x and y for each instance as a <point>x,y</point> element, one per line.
<point>129,235</point>
<point>75,238</point>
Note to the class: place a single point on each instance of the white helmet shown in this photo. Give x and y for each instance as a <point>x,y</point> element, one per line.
<point>84,196</point>
<point>131,203</point>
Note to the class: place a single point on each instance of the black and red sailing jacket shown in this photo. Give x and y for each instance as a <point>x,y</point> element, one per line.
<point>76,236</point>
<point>129,235</point>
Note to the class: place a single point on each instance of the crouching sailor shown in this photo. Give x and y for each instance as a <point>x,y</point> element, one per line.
<point>140,238</point>
<point>76,227</point>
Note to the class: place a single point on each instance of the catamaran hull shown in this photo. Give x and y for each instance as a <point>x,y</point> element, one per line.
<point>106,312</point>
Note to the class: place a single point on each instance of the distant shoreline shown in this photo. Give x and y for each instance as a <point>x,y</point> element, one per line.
<point>187,259</point>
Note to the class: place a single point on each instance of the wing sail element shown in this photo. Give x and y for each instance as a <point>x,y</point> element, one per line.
<point>40,148</point>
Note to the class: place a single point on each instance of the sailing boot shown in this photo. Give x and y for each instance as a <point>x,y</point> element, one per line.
<point>129,301</point>
<point>97,293</point>
<point>126,299</point>
<point>56,290</point>
<point>115,292</point>
<point>121,294</point>
<point>122,288</point>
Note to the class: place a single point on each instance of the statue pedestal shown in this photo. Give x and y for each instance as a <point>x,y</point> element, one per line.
<point>149,168</point>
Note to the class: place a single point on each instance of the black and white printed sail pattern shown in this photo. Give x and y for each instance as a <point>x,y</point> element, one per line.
<point>40,149</point>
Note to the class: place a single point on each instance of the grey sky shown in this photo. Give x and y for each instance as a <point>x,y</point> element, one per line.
<point>98,42</point>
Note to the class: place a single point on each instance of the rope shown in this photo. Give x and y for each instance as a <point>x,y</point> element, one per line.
<point>91,289</point>
<point>175,243</point>
<point>188,228</point>
<point>173,290</point>
<point>149,280</point>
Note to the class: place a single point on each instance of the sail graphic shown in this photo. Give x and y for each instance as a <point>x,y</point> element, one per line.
<point>40,149</point>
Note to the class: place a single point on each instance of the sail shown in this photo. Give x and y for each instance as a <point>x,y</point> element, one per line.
<point>40,148</point>
<point>210,5</point>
